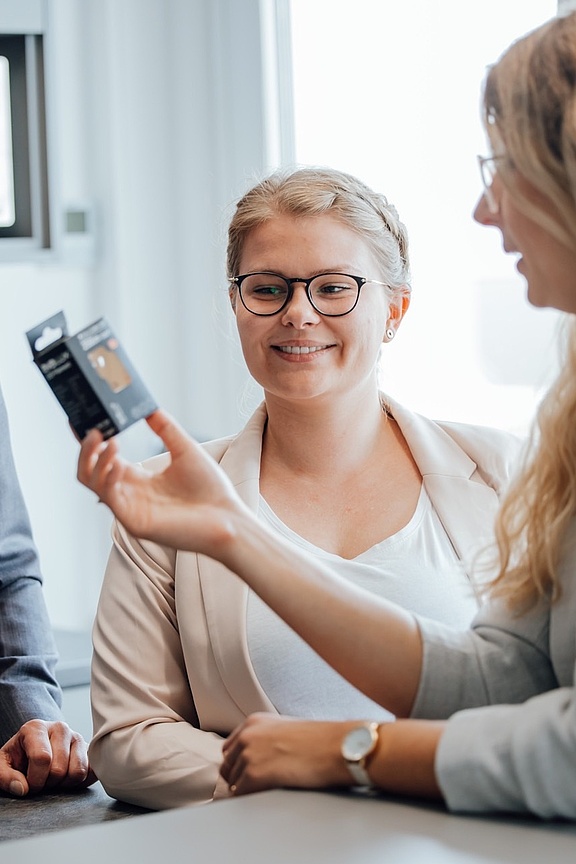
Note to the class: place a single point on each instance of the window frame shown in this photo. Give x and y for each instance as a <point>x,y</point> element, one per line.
<point>23,29</point>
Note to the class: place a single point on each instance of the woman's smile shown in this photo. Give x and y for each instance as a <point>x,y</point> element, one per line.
<point>300,351</point>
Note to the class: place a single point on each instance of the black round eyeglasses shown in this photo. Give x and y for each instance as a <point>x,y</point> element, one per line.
<point>330,294</point>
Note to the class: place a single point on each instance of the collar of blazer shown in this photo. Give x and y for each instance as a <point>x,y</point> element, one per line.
<point>464,497</point>
<point>465,501</point>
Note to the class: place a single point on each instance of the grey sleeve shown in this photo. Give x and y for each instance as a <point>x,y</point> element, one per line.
<point>28,688</point>
<point>510,740</point>
<point>512,758</point>
<point>499,659</point>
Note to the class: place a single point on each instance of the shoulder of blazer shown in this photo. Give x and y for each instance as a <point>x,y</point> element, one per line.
<point>497,453</point>
<point>217,448</point>
<point>446,447</point>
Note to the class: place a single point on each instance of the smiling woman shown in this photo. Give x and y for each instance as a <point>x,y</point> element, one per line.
<point>392,501</point>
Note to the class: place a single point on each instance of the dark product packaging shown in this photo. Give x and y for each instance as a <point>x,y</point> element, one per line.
<point>90,375</point>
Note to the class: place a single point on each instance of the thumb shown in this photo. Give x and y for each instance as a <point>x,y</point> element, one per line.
<point>11,781</point>
<point>171,433</point>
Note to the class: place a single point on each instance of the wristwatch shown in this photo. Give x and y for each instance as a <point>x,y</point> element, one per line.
<point>357,745</point>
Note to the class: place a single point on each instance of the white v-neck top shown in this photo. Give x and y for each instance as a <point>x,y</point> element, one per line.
<point>416,568</point>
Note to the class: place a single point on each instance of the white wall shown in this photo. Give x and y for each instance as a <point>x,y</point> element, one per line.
<point>157,125</point>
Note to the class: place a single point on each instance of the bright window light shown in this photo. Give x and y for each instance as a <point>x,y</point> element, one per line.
<point>7,209</point>
<point>391,92</point>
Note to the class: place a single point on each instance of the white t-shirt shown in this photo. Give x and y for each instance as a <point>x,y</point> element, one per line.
<point>417,568</point>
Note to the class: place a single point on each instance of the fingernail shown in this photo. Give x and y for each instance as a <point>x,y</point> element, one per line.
<point>16,788</point>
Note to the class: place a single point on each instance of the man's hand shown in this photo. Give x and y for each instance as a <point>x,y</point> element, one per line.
<point>44,756</point>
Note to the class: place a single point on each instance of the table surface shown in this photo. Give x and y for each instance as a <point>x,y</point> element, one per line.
<point>25,817</point>
<point>305,827</point>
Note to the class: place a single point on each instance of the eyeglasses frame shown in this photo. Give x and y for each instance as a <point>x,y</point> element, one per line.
<point>487,176</point>
<point>360,281</point>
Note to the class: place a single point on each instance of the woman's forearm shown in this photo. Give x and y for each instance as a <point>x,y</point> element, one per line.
<point>404,759</point>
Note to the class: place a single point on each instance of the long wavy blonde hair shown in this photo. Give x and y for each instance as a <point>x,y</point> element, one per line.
<point>530,113</point>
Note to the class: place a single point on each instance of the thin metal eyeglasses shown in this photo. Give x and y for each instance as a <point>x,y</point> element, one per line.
<point>488,171</point>
<point>330,294</point>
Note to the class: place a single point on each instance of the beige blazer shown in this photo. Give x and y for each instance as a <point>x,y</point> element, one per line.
<point>171,671</point>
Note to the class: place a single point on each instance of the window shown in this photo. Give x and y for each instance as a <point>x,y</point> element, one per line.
<point>7,204</point>
<point>391,92</point>
<point>24,206</point>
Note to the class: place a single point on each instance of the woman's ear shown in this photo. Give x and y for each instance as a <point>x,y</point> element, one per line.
<point>232,294</point>
<point>396,312</point>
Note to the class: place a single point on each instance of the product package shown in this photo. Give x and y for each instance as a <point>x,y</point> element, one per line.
<point>90,375</point>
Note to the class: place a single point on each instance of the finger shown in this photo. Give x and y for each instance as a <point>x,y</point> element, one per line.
<point>231,740</point>
<point>35,743</point>
<point>108,458</point>
<point>90,779</point>
<point>74,760</point>
<point>230,751</point>
<point>233,772</point>
<point>171,433</point>
<point>89,449</point>
<point>225,768</point>
<point>12,781</point>
<point>234,761</point>
<point>96,463</point>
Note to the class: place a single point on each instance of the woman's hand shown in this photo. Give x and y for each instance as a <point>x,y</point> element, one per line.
<point>190,505</point>
<point>268,751</point>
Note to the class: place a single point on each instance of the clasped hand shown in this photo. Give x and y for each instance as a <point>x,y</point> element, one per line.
<point>44,755</point>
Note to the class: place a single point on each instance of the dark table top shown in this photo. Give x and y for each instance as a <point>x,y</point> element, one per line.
<point>24,817</point>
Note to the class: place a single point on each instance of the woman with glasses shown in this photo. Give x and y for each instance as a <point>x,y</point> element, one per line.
<point>330,467</point>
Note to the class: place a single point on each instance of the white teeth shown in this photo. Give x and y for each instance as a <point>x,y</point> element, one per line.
<point>296,349</point>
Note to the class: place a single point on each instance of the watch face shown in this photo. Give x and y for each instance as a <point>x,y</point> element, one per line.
<point>357,743</point>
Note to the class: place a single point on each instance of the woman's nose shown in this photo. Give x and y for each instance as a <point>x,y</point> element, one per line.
<point>483,214</point>
<point>299,312</point>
